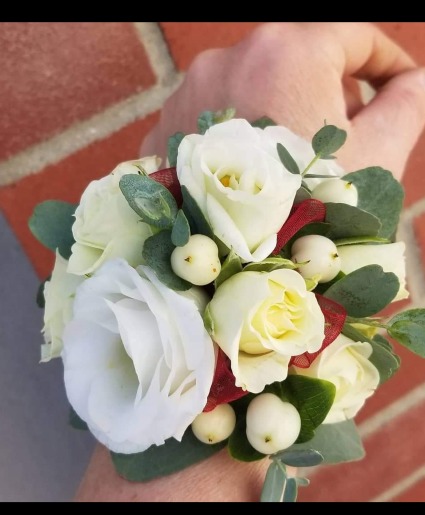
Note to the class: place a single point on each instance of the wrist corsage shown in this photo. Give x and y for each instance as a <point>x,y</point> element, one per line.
<point>230,299</point>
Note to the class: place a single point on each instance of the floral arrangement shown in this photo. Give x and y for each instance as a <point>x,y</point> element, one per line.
<point>228,300</point>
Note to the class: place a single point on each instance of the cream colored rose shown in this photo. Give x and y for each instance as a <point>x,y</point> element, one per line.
<point>59,298</point>
<point>237,179</point>
<point>105,226</point>
<point>390,256</point>
<point>345,363</point>
<point>262,319</point>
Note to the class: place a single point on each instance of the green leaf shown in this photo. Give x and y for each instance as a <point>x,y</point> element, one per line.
<point>208,118</point>
<point>360,239</point>
<point>180,233</point>
<point>232,265</point>
<point>380,194</point>
<point>270,264</point>
<point>208,320</point>
<point>337,443</point>
<point>328,140</point>
<point>349,221</point>
<point>239,446</point>
<point>364,292</point>
<point>408,328</point>
<point>263,122</point>
<point>51,223</point>
<point>197,221</point>
<point>287,160</point>
<point>382,356</point>
<point>291,490</point>
<point>312,397</point>
<point>75,421</point>
<point>322,287</point>
<point>302,481</point>
<point>173,147</point>
<point>40,293</point>
<point>274,483</point>
<point>303,193</point>
<point>299,458</point>
<point>149,199</point>
<point>157,251</point>
<point>164,459</point>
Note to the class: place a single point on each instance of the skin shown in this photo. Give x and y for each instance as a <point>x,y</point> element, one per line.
<point>299,75</point>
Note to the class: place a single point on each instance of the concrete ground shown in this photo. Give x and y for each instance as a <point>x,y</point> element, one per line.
<point>75,99</point>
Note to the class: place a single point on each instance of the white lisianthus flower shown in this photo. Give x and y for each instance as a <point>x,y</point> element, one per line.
<point>236,177</point>
<point>59,294</point>
<point>138,361</point>
<point>262,319</point>
<point>105,226</point>
<point>302,152</point>
<point>390,256</point>
<point>345,363</point>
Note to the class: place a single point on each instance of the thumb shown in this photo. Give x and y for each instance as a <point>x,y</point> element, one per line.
<point>387,129</point>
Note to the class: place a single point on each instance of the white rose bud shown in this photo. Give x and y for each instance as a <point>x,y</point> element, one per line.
<point>271,424</point>
<point>319,255</point>
<point>197,261</point>
<point>216,425</point>
<point>336,190</point>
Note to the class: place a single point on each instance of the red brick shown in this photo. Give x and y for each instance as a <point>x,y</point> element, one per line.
<point>393,453</point>
<point>416,493</point>
<point>54,74</point>
<point>187,39</point>
<point>65,181</point>
<point>419,228</point>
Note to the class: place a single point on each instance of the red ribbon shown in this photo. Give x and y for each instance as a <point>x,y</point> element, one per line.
<point>306,212</point>
<point>168,178</point>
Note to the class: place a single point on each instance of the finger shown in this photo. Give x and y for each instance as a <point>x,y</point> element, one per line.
<point>392,122</point>
<point>365,52</point>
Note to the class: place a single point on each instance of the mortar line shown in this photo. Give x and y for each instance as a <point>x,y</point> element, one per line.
<point>414,266</point>
<point>83,133</point>
<point>401,486</point>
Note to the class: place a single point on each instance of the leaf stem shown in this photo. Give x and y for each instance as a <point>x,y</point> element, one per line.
<point>312,162</point>
<point>372,322</point>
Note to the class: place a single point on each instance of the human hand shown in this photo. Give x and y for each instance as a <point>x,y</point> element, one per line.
<point>300,74</point>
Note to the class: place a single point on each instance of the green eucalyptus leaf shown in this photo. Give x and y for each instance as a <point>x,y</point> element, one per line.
<point>313,398</point>
<point>337,443</point>
<point>291,490</point>
<point>263,122</point>
<point>380,194</point>
<point>328,140</point>
<point>51,223</point>
<point>197,221</point>
<point>360,239</point>
<point>299,458</point>
<point>274,483</point>
<point>157,251</point>
<point>208,320</point>
<point>322,287</point>
<point>149,199</point>
<point>270,264</point>
<point>287,160</point>
<point>209,118</point>
<point>303,193</point>
<point>180,233</point>
<point>173,147</point>
<point>231,266</point>
<point>364,292</point>
<point>75,421</point>
<point>408,328</point>
<point>349,221</point>
<point>302,481</point>
<point>162,460</point>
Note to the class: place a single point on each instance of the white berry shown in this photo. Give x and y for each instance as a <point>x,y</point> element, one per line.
<point>336,190</point>
<point>197,261</point>
<point>216,425</point>
<point>319,256</point>
<point>271,424</point>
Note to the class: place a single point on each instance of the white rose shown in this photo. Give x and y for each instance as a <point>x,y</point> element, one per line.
<point>236,177</point>
<point>59,298</point>
<point>302,152</point>
<point>105,226</point>
<point>138,361</point>
<point>390,256</point>
<point>262,319</point>
<point>345,363</point>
